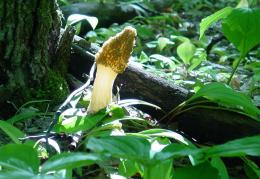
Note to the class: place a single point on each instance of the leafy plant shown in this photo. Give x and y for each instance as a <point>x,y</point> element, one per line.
<point>223,96</point>
<point>235,28</point>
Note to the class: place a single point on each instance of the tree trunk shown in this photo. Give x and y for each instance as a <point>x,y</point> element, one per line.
<point>29,42</point>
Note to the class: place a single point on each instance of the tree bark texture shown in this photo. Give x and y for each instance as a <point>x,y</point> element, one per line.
<point>29,39</point>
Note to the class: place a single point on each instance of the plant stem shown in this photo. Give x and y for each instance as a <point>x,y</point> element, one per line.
<point>235,69</point>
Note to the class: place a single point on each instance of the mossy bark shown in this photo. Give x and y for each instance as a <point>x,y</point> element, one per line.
<point>29,39</point>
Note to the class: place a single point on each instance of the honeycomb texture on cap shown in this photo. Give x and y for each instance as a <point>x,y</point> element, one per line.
<point>117,50</point>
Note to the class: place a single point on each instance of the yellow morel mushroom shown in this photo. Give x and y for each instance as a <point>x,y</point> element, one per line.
<point>111,60</point>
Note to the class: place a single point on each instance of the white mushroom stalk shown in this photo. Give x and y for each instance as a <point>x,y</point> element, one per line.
<point>111,60</point>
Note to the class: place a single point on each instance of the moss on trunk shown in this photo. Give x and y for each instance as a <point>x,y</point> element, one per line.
<point>29,38</point>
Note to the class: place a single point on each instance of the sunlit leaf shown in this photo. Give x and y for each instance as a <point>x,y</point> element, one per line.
<point>186,51</point>
<point>238,147</point>
<point>127,147</point>
<point>130,102</point>
<point>225,96</point>
<point>69,161</point>
<point>242,28</point>
<point>167,133</point>
<point>175,150</point>
<point>74,120</point>
<point>163,42</point>
<point>164,60</point>
<point>75,18</point>
<point>208,21</point>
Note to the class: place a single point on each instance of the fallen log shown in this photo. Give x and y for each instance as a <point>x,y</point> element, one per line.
<point>204,125</point>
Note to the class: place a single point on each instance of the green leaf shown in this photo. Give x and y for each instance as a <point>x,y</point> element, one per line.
<point>75,18</point>
<point>127,168</point>
<point>238,147</point>
<point>143,58</point>
<point>13,132</point>
<point>163,42</point>
<point>251,169</point>
<point>175,150</point>
<point>19,156</point>
<point>27,175</point>
<point>225,96</point>
<point>186,51</point>
<point>167,133</point>
<point>164,60</point>
<point>243,3</point>
<point>242,28</point>
<point>16,174</point>
<point>217,163</point>
<point>74,120</point>
<point>24,115</point>
<point>69,161</point>
<point>208,21</point>
<point>127,147</point>
<point>202,171</point>
<point>163,170</point>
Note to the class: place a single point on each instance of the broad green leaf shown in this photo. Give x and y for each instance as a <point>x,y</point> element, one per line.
<point>160,170</point>
<point>208,21</point>
<point>75,18</point>
<point>175,150</point>
<point>69,161</point>
<point>143,58</point>
<point>225,96</point>
<point>127,147</point>
<point>202,171</point>
<point>242,28</point>
<point>217,163</point>
<point>127,168</point>
<point>131,102</point>
<point>24,116</point>
<point>27,175</point>
<point>167,133</point>
<point>238,147</point>
<point>17,174</point>
<point>251,169</point>
<point>186,51</point>
<point>243,3</point>
<point>164,60</point>
<point>163,42</point>
<point>74,120</point>
<point>13,132</point>
<point>19,156</point>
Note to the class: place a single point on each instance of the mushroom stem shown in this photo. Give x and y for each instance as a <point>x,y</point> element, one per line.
<point>111,59</point>
<point>102,88</point>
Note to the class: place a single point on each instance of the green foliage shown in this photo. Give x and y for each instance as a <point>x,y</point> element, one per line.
<point>13,132</point>
<point>115,142</point>
<point>69,161</point>
<point>201,171</point>
<point>11,159</point>
<point>241,27</point>
<point>76,20</point>
<point>225,96</point>
<point>186,51</point>
<point>208,21</point>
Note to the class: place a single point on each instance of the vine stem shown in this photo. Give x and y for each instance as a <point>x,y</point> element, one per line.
<point>235,69</point>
